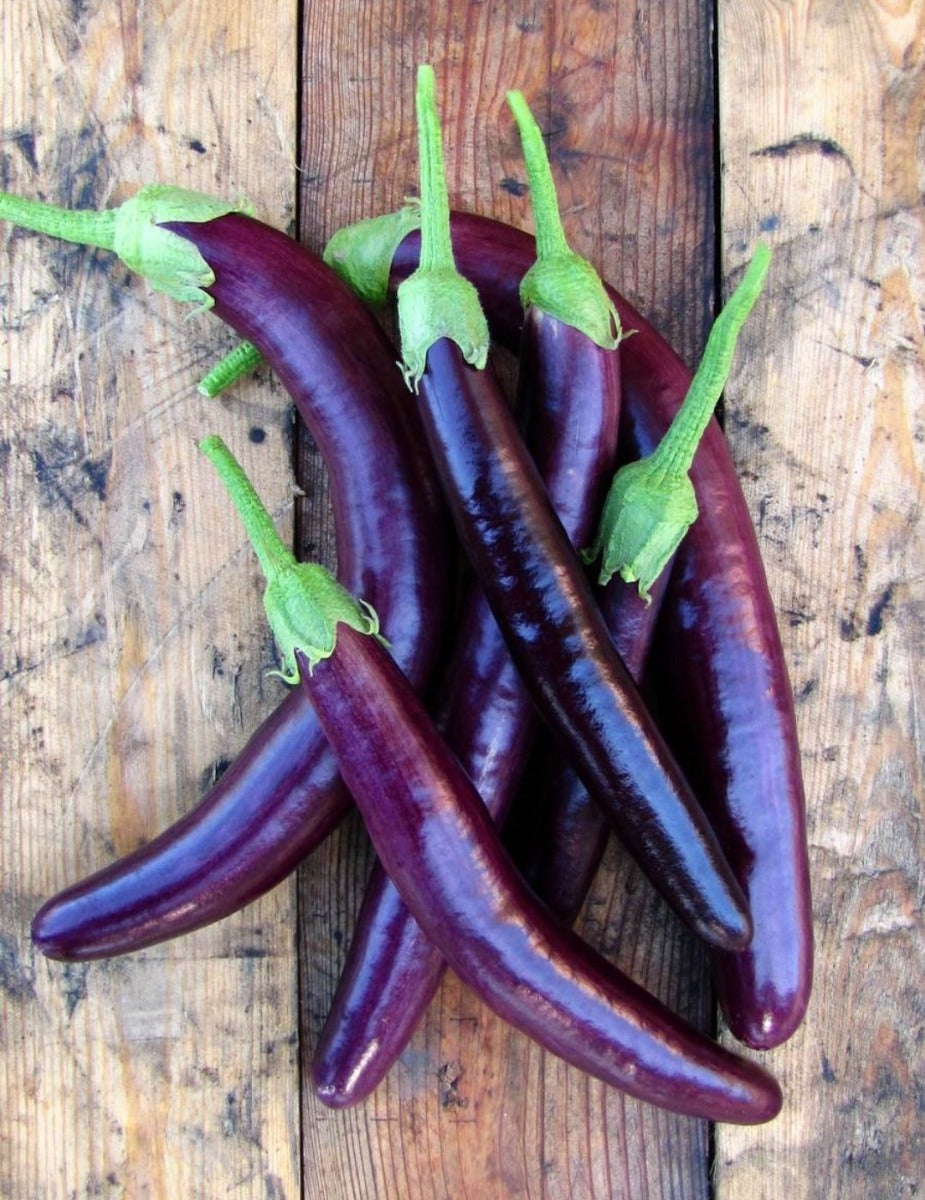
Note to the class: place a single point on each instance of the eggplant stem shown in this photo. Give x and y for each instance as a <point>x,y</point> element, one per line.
<point>677,448</point>
<point>436,302</point>
<point>238,362</point>
<point>85,228</point>
<point>304,603</point>
<point>436,244</point>
<point>651,503</point>
<point>135,231</point>
<point>560,282</point>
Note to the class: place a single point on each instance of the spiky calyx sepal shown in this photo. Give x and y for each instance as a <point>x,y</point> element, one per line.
<point>304,606</point>
<point>439,304</point>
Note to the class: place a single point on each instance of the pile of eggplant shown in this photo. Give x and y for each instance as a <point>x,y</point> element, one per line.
<point>421,692</point>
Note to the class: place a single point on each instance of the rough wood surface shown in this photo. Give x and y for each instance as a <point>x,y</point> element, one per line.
<point>822,152</point>
<point>132,659</point>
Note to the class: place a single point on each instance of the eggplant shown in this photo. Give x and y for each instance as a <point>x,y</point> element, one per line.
<point>282,795</point>
<point>535,583</point>
<point>569,385</point>
<point>439,845</point>
<point>726,692</point>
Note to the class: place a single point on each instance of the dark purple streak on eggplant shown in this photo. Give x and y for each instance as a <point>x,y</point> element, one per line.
<point>726,680</point>
<point>439,845</point>
<point>283,795</point>
<point>556,834</point>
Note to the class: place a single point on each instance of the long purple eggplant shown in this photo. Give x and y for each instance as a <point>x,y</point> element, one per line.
<point>535,584</point>
<point>735,726</point>
<point>569,384</point>
<point>283,794</point>
<point>439,845</point>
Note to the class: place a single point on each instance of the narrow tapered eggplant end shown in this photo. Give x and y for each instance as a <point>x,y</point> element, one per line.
<point>762,1018</point>
<point>47,937</point>
<point>63,929</point>
<point>756,1100</point>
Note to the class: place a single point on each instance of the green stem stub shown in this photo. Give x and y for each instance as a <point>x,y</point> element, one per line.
<point>304,603</point>
<point>435,301</point>
<point>240,360</point>
<point>560,282</point>
<point>651,503</point>
<point>134,231</point>
<point>361,254</point>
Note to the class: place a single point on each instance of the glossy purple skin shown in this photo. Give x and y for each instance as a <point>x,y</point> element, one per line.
<point>572,389</point>
<point>283,794</point>
<point>544,604</point>
<point>438,843</point>
<point>730,684</point>
<point>557,835</point>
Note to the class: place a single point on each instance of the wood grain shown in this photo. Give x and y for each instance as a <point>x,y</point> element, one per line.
<point>825,161</point>
<point>132,657</point>
<point>472,1108</point>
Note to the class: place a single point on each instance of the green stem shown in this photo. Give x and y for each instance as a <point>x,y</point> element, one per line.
<point>435,301</point>
<point>238,362</point>
<point>550,234</point>
<point>274,555</point>
<point>85,228</point>
<point>675,452</point>
<point>560,282</point>
<point>304,603</point>
<point>135,232</point>
<point>651,503</point>
<point>436,242</point>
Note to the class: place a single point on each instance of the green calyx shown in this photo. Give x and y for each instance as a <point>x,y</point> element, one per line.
<point>134,231</point>
<point>436,302</point>
<point>645,516</point>
<point>361,254</point>
<point>560,282</point>
<point>651,503</point>
<point>304,603</point>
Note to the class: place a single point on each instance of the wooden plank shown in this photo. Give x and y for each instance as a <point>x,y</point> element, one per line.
<point>133,659</point>
<point>821,119</point>
<point>473,1109</point>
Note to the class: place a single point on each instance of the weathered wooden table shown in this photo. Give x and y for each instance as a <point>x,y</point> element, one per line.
<point>134,652</point>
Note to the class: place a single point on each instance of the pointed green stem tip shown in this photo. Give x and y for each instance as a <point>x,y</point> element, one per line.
<point>304,603</point>
<point>651,503</point>
<point>135,232</point>
<point>560,282</point>
<point>436,301</point>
